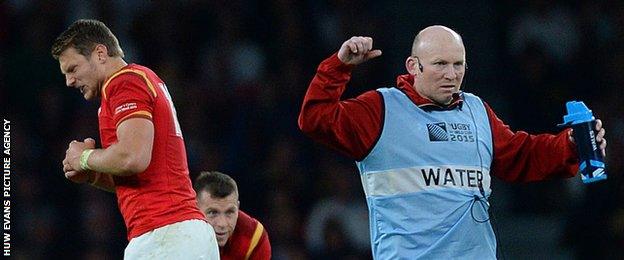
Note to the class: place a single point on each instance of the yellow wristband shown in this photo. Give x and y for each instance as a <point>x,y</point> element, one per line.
<point>84,158</point>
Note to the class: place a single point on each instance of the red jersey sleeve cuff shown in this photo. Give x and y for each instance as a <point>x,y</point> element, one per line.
<point>333,63</point>
<point>137,114</point>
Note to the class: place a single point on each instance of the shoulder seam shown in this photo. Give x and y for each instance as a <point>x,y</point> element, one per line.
<point>123,71</point>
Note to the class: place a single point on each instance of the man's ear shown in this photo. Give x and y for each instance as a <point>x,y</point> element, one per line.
<point>411,65</point>
<point>101,52</point>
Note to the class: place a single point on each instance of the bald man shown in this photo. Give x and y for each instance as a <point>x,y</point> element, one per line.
<point>425,150</point>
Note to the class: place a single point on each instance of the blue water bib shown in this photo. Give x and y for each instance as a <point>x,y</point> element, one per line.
<point>422,178</point>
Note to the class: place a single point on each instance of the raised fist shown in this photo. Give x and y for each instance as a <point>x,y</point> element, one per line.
<point>357,50</point>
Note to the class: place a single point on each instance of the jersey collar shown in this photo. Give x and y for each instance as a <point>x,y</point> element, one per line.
<point>405,83</point>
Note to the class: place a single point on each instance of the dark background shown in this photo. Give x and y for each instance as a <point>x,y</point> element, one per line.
<point>238,71</point>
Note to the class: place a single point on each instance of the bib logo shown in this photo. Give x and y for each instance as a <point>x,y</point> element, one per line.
<point>456,132</point>
<point>437,132</point>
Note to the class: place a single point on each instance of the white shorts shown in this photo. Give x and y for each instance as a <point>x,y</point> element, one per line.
<point>190,239</point>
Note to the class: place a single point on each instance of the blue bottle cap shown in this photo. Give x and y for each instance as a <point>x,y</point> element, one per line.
<point>577,113</point>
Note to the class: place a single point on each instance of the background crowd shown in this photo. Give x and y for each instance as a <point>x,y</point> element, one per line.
<point>238,70</point>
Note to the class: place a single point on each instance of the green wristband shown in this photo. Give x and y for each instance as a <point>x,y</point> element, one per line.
<point>84,159</point>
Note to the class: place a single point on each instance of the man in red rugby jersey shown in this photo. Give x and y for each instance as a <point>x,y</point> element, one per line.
<point>142,159</point>
<point>239,236</point>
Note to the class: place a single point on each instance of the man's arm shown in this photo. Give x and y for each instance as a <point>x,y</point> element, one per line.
<point>521,157</point>
<point>130,155</point>
<point>102,181</point>
<point>350,126</point>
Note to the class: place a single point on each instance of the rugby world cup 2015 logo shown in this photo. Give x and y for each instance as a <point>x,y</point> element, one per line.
<point>437,132</point>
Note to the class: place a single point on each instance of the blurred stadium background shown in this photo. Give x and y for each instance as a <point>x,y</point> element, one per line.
<point>238,71</point>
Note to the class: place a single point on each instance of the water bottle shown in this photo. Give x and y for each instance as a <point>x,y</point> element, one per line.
<point>592,166</point>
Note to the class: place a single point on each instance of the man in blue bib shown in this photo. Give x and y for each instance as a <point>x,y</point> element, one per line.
<point>425,150</point>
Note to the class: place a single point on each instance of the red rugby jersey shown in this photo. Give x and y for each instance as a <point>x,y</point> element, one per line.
<point>249,241</point>
<point>162,194</point>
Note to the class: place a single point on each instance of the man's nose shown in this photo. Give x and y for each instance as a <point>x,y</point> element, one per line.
<point>220,221</point>
<point>69,80</point>
<point>450,72</point>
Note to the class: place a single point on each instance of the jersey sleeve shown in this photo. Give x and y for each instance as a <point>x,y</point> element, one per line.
<point>129,95</point>
<point>522,157</point>
<point>350,126</point>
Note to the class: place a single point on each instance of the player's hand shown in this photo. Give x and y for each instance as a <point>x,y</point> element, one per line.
<point>78,177</point>
<point>600,139</point>
<point>357,50</point>
<point>73,153</point>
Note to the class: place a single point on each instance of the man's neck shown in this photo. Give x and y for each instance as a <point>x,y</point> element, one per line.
<point>116,65</point>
